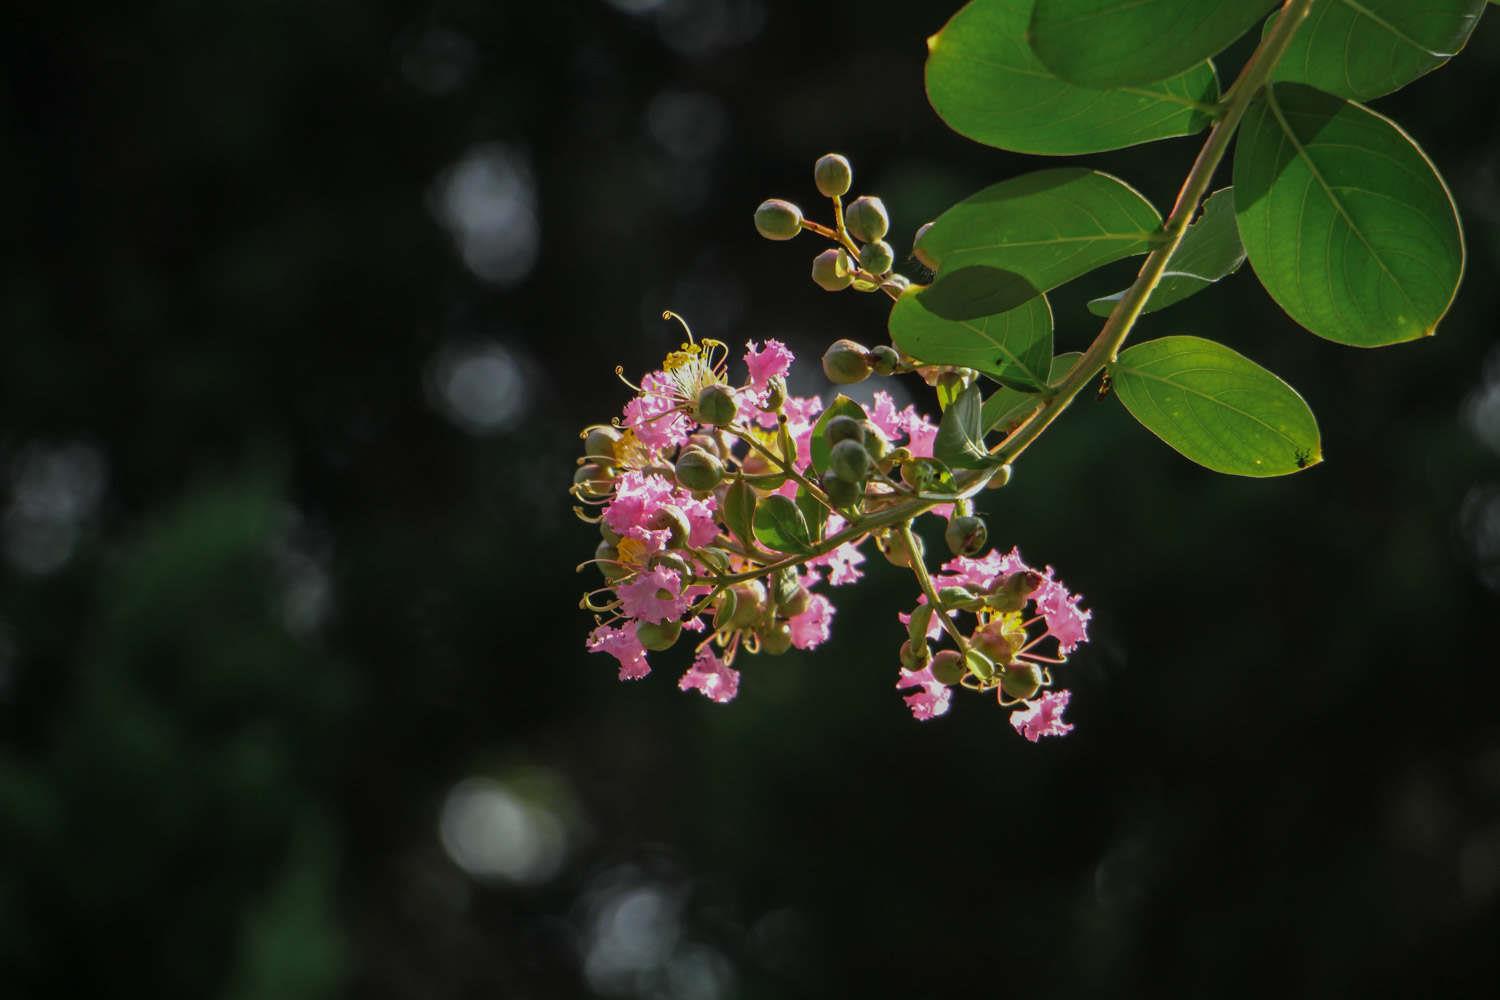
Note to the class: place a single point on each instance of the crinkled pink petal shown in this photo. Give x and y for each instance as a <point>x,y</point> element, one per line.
<point>884,415</point>
<point>933,698</point>
<point>694,624</point>
<point>1043,717</point>
<point>774,359</point>
<point>622,644</point>
<point>650,415</point>
<point>712,677</point>
<point>843,565</point>
<point>920,433</point>
<point>810,629</point>
<point>655,541</point>
<point>637,496</point>
<point>981,573</point>
<point>653,595</point>
<point>1066,621</point>
<point>700,515</point>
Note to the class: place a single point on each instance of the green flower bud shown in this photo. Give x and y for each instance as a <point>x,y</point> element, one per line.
<point>833,175</point>
<point>884,359</point>
<point>829,273</point>
<point>749,603</point>
<point>778,220</point>
<point>600,443</point>
<point>1021,680</point>
<point>947,667</point>
<point>923,257</point>
<point>914,659</point>
<point>877,257</point>
<point>610,566</point>
<point>842,493</point>
<point>866,219</point>
<point>1011,593</point>
<point>1000,479</point>
<point>966,535</point>
<point>716,405</point>
<point>979,665</point>
<point>776,638</point>
<point>698,470</point>
<point>797,602</point>
<point>844,428</point>
<point>657,636</point>
<point>850,461</point>
<point>705,441</point>
<point>844,362</point>
<point>896,551</point>
<point>668,517</point>
<point>594,482</point>
<point>776,394</point>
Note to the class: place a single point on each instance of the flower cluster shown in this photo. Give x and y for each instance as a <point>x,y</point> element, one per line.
<point>726,510</point>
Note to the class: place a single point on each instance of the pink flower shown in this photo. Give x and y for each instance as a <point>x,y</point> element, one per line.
<point>650,415</point>
<point>1065,620</point>
<point>654,595</point>
<point>622,644</point>
<point>637,497</point>
<point>921,433</point>
<point>884,415</point>
<point>1043,717</point>
<point>712,677</point>
<point>774,360</point>
<point>984,572</point>
<point>810,629</point>
<point>933,698</point>
<point>700,515</point>
<point>843,562</point>
<point>893,423</point>
<point>801,413</point>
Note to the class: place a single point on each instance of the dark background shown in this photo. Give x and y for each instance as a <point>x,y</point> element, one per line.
<point>304,307</point>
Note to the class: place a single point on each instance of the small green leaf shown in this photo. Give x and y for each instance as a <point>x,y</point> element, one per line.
<point>1364,49</point>
<point>1107,43</point>
<point>1217,407</point>
<point>1012,347</point>
<point>739,510</point>
<point>1006,407</point>
<point>960,437</point>
<point>813,512</point>
<point>1346,222</point>
<point>779,525</point>
<point>842,406</point>
<point>1044,228</point>
<point>1210,251</point>
<point>985,82</point>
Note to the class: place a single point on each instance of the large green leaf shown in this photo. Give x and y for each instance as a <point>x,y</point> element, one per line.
<point>1210,250</point>
<point>1043,229</point>
<point>1108,43</point>
<point>985,82</point>
<point>813,512</point>
<point>1364,49</point>
<point>1013,347</point>
<point>1217,407</point>
<point>779,525</point>
<point>1005,407</point>
<point>738,510</point>
<point>960,437</point>
<point>842,406</point>
<point>1345,220</point>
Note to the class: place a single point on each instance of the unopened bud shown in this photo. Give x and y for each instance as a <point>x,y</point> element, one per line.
<point>947,667</point>
<point>1010,593</point>
<point>609,562</point>
<point>844,362</point>
<point>797,602</point>
<point>600,443</point>
<point>749,603</point>
<point>716,405</point>
<point>699,471</point>
<point>670,518</point>
<point>776,638</point>
<point>923,257</point>
<point>884,359</point>
<point>842,493</point>
<point>850,461</point>
<point>966,535</point>
<point>1021,680</point>
<point>657,636</point>
<point>866,219</point>
<point>707,442</point>
<point>833,175</point>
<point>830,273</point>
<point>898,553</point>
<point>844,428</point>
<point>914,659</point>
<point>594,482</point>
<point>776,219</point>
<point>877,257</point>
<point>876,443</point>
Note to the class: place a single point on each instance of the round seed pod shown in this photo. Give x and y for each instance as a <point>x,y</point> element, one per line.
<point>776,219</point>
<point>750,603</point>
<point>842,493</point>
<point>776,638</point>
<point>698,470</point>
<point>707,442</point>
<point>896,551</point>
<point>595,482</point>
<point>866,219</point>
<point>947,667</point>
<point>911,659</point>
<point>923,257</point>
<point>716,405</point>
<point>797,602</point>
<point>850,461</point>
<point>844,428</point>
<point>657,636</point>
<point>833,175</point>
<point>877,257</point>
<point>1021,680</point>
<point>600,443</point>
<point>829,273</point>
<point>966,535</point>
<point>884,359</point>
<point>845,363</point>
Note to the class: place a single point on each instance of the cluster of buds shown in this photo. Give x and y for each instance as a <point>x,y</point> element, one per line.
<point>725,508</point>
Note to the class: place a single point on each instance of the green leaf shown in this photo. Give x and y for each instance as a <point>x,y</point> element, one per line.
<point>1217,407</point>
<point>1110,43</point>
<point>984,81</point>
<point>1012,347</point>
<point>960,437</point>
<point>1210,251</point>
<point>1006,407</point>
<point>779,525</point>
<point>1044,229</point>
<point>1364,49</point>
<point>739,510</point>
<point>813,512</point>
<point>842,406</point>
<point>1346,221</point>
